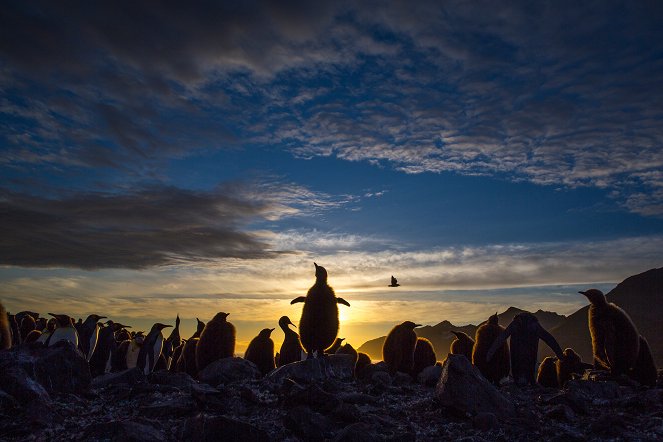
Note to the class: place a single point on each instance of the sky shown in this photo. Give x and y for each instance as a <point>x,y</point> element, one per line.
<point>163,158</point>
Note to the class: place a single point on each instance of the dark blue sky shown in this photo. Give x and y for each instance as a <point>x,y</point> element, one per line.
<point>439,137</point>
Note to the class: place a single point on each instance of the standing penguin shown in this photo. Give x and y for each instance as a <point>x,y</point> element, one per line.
<point>568,365</point>
<point>291,349</point>
<point>261,351</point>
<point>172,342</point>
<point>132,351</point>
<point>101,360</point>
<point>615,339</point>
<point>525,332</point>
<point>88,334</point>
<point>498,367</point>
<point>186,363</point>
<point>462,345</point>
<point>28,324</point>
<point>424,356</point>
<point>150,351</point>
<point>318,325</point>
<point>398,347</point>
<point>64,331</point>
<point>5,330</point>
<point>547,374</point>
<point>217,341</point>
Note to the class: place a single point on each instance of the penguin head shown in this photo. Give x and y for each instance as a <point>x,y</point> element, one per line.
<point>62,320</point>
<point>460,335</point>
<point>284,321</point>
<point>159,326</point>
<point>96,318</point>
<point>265,332</point>
<point>320,273</point>
<point>200,326</point>
<point>177,320</point>
<point>50,325</point>
<point>494,319</point>
<point>571,355</point>
<point>410,325</point>
<point>595,296</point>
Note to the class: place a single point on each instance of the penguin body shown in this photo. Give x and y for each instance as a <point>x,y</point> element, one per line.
<point>291,349</point>
<point>217,341</point>
<point>363,360</point>
<point>615,339</point>
<point>33,336</point>
<point>88,332</point>
<point>525,332</point>
<point>261,351</point>
<point>104,350</point>
<point>644,371</point>
<point>173,341</point>
<point>5,329</point>
<point>485,336</point>
<point>176,356</point>
<point>547,373</point>
<point>424,356</point>
<point>28,324</point>
<point>318,326</point>
<point>186,363</point>
<point>398,347</point>
<point>462,345</point>
<point>568,365</point>
<point>133,350</point>
<point>335,346</point>
<point>150,351</point>
<point>64,331</point>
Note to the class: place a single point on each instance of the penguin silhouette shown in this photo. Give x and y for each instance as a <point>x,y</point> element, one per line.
<point>615,339</point>
<point>547,373</point>
<point>394,282</point>
<point>398,347</point>
<point>335,346</point>
<point>129,351</point>
<point>499,365</point>
<point>261,351</point>
<point>186,363</point>
<point>462,345</point>
<point>28,324</point>
<point>88,333</point>
<point>568,365</point>
<point>291,349</point>
<point>64,331</point>
<point>173,341</point>
<point>424,356</point>
<point>5,329</point>
<point>363,361</point>
<point>101,360</point>
<point>217,341</point>
<point>33,336</point>
<point>176,356</point>
<point>150,351</point>
<point>525,332</point>
<point>318,325</point>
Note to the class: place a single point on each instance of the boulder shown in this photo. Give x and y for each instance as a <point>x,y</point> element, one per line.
<point>176,407</point>
<point>131,376</point>
<point>179,380</point>
<point>463,388</point>
<point>430,375</point>
<point>209,428</point>
<point>312,396</point>
<point>125,431</point>
<point>336,366</point>
<point>229,370</point>
<point>308,425</point>
<point>16,383</point>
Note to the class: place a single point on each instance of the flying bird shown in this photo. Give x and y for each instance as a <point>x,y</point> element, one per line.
<point>394,282</point>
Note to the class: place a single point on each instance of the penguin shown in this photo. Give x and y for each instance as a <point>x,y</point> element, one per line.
<point>27,325</point>
<point>462,345</point>
<point>547,373</point>
<point>398,347</point>
<point>33,336</point>
<point>64,331</point>
<point>394,282</point>
<point>14,329</point>
<point>217,341</point>
<point>50,327</point>
<point>424,356</point>
<point>335,346</point>
<point>499,365</point>
<point>318,325</point>
<point>615,339</point>
<point>172,342</point>
<point>133,349</point>
<point>644,371</point>
<point>122,334</point>
<point>347,349</point>
<point>176,356</point>
<point>291,349</point>
<point>40,324</point>
<point>187,360</point>
<point>151,348</point>
<point>88,333</point>
<point>5,329</point>
<point>261,351</point>
<point>101,360</point>
<point>525,332</point>
<point>363,361</point>
<point>568,365</point>
<point>119,358</point>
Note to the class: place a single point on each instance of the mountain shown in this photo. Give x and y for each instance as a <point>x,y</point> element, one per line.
<point>441,337</point>
<point>641,296</point>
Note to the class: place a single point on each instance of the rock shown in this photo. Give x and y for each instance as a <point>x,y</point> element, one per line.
<point>128,431</point>
<point>609,425</point>
<point>177,407</point>
<point>7,402</point>
<point>347,413</point>
<point>430,375</point>
<point>400,379</point>
<point>593,390</point>
<point>561,412</point>
<point>229,370</point>
<point>367,372</point>
<point>180,380</point>
<point>24,389</point>
<point>131,376</point>
<point>211,428</point>
<point>359,432</point>
<point>463,388</point>
<point>312,396</point>
<point>485,421</point>
<point>337,366</point>
<point>308,424</point>
<point>357,398</point>
<point>381,379</point>
<point>208,397</point>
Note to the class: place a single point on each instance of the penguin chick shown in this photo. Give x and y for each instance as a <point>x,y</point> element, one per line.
<point>318,326</point>
<point>363,361</point>
<point>335,346</point>
<point>217,341</point>
<point>547,374</point>
<point>151,349</point>
<point>615,339</point>
<point>462,345</point>
<point>644,371</point>
<point>261,351</point>
<point>499,365</point>
<point>525,332</point>
<point>33,336</point>
<point>28,324</point>
<point>424,356</point>
<point>347,349</point>
<point>291,349</point>
<point>568,365</point>
<point>398,347</point>
<point>5,329</point>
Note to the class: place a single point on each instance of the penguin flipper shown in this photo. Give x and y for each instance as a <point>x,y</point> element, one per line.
<point>298,299</point>
<point>551,341</point>
<point>342,301</point>
<point>499,341</point>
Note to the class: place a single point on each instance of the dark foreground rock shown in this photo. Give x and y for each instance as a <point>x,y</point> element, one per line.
<point>228,370</point>
<point>337,366</point>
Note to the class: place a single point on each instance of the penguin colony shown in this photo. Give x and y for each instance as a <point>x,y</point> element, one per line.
<point>496,351</point>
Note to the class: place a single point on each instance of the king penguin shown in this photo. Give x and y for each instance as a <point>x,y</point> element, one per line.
<point>462,345</point>
<point>424,356</point>
<point>5,331</point>
<point>291,349</point>
<point>499,365</point>
<point>64,331</point>
<point>172,342</point>
<point>318,325</point>
<point>261,351</point>
<point>88,334</point>
<point>398,347</point>
<point>151,348</point>
<point>102,357</point>
<point>217,341</point>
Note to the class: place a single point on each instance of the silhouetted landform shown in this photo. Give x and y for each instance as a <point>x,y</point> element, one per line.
<point>441,334</point>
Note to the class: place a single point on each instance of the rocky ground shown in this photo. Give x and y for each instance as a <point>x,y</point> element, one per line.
<point>309,401</point>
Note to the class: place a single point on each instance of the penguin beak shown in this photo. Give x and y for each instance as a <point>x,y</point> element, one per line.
<point>417,325</point>
<point>582,293</point>
<point>316,266</point>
